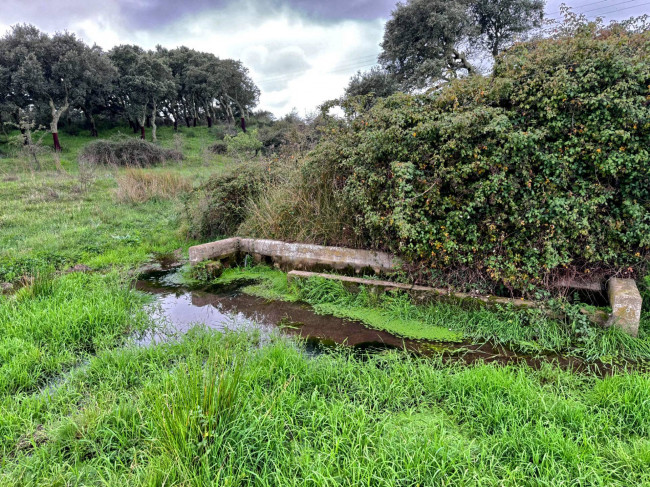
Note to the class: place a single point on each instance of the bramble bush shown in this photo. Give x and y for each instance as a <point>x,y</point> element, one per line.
<point>538,170</point>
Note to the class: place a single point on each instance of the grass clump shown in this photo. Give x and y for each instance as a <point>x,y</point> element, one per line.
<point>300,206</point>
<point>54,323</point>
<point>138,186</point>
<point>126,152</point>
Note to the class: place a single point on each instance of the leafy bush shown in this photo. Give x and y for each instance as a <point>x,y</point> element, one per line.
<point>129,152</point>
<point>218,207</point>
<point>541,168</point>
<point>243,144</point>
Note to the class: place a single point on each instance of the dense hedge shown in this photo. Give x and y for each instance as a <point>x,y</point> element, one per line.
<point>540,168</point>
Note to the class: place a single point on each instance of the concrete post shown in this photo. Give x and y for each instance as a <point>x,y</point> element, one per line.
<point>626,301</point>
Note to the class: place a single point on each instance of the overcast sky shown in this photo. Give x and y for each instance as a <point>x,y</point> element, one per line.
<point>300,52</point>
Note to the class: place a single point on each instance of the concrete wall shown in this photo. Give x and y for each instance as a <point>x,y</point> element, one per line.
<point>291,256</point>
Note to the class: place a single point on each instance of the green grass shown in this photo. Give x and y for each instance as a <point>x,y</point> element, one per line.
<point>54,324</point>
<point>525,331</point>
<point>58,219</point>
<point>189,413</point>
<point>79,405</point>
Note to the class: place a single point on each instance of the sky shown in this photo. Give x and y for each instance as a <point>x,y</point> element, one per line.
<point>299,52</point>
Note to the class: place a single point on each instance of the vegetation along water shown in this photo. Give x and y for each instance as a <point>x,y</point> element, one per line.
<point>121,364</point>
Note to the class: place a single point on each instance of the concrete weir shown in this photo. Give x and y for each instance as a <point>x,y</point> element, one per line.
<point>624,296</point>
<point>290,256</point>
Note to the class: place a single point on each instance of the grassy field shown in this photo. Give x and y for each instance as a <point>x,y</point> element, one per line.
<point>81,405</point>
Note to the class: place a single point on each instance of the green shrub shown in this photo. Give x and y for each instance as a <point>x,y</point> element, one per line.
<point>539,169</point>
<point>244,144</point>
<point>218,207</point>
<point>125,151</point>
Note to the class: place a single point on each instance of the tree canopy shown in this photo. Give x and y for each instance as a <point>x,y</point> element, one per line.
<point>43,78</point>
<point>428,41</point>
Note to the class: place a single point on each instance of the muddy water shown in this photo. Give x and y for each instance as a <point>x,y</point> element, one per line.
<point>179,309</point>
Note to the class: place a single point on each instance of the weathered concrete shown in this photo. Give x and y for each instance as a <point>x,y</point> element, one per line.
<point>307,256</point>
<point>626,302</point>
<point>592,285</point>
<point>221,249</point>
<point>353,282</point>
<point>296,255</point>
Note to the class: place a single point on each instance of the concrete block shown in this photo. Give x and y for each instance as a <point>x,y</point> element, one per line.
<point>214,250</point>
<point>626,301</point>
<point>307,256</point>
<point>296,255</point>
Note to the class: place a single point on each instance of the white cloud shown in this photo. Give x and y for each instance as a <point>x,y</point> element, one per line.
<point>298,62</point>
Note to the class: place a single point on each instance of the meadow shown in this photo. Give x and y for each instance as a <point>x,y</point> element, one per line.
<point>81,404</point>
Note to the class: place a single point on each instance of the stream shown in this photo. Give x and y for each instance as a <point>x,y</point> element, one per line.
<point>179,308</point>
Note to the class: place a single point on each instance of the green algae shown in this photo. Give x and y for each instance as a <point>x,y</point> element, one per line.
<point>364,306</point>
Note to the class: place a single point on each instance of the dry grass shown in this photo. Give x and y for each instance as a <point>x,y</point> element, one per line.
<point>138,186</point>
<point>299,207</point>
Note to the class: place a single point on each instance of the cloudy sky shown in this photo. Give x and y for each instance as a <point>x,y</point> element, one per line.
<point>300,52</point>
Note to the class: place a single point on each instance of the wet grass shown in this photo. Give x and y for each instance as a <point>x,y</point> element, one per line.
<point>524,331</point>
<point>55,323</point>
<point>211,410</point>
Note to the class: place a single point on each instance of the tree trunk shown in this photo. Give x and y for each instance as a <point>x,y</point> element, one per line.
<point>147,123</point>
<point>209,121</point>
<point>153,122</point>
<point>194,122</point>
<point>187,122</point>
<point>91,122</point>
<point>57,145</point>
<point>175,124</point>
<point>243,124</point>
<point>54,125</point>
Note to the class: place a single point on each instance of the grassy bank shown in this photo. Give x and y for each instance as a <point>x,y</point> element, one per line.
<point>53,218</point>
<point>212,411</point>
<point>525,331</point>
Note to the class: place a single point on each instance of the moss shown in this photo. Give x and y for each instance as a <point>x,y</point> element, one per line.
<point>269,283</point>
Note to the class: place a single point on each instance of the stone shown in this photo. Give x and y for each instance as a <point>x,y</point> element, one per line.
<point>626,301</point>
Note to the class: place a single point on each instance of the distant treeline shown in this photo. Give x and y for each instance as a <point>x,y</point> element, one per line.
<point>44,78</point>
